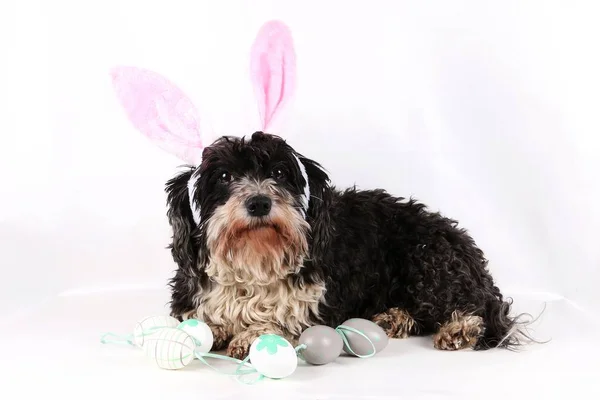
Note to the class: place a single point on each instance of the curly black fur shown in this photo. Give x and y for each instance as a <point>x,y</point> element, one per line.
<point>374,251</point>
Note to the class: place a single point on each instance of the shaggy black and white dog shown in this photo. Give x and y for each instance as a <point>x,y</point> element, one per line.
<point>264,243</point>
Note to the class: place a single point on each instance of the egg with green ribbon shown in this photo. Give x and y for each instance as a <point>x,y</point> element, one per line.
<point>273,356</point>
<point>362,338</point>
<point>201,333</point>
<point>150,325</point>
<point>170,348</point>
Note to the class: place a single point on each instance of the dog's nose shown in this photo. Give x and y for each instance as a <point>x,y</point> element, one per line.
<point>258,206</point>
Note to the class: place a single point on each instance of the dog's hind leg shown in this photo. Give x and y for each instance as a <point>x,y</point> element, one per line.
<point>460,332</point>
<point>396,323</point>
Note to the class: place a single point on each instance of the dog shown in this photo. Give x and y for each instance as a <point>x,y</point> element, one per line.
<point>264,243</point>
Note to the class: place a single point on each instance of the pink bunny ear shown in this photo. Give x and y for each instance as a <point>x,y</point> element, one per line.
<point>273,69</point>
<point>159,110</point>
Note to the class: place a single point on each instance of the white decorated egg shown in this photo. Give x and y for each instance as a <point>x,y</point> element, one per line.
<point>170,348</point>
<point>200,332</point>
<point>273,356</point>
<point>150,325</point>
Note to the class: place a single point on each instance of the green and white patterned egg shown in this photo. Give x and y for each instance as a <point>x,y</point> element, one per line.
<point>200,332</point>
<point>149,325</point>
<point>170,348</point>
<point>273,356</point>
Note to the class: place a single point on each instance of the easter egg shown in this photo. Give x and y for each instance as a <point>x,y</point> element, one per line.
<point>170,348</point>
<point>323,345</point>
<point>150,325</point>
<point>273,356</point>
<point>200,332</point>
<point>359,344</point>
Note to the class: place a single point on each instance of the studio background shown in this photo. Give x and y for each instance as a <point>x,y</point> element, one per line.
<point>485,111</point>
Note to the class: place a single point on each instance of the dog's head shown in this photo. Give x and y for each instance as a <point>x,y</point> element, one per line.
<point>243,211</point>
<point>246,209</point>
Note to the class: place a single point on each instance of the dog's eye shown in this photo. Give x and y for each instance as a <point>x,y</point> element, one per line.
<point>225,177</point>
<point>278,174</point>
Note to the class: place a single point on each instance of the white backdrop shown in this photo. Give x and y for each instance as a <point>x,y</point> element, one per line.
<point>487,111</point>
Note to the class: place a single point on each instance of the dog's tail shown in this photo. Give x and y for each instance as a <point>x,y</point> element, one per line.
<point>502,330</point>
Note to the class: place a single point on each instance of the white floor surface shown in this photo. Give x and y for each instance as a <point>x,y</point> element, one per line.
<point>54,349</point>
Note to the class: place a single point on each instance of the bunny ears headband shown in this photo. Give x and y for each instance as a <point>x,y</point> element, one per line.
<point>165,115</point>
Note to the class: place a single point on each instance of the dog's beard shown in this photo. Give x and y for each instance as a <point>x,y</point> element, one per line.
<point>251,250</point>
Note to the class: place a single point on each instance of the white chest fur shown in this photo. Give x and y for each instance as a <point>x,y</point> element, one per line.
<point>237,307</point>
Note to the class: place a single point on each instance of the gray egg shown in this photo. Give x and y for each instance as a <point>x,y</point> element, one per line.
<point>358,343</point>
<point>323,345</point>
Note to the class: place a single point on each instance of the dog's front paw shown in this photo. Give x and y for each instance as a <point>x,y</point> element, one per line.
<point>220,337</point>
<point>396,323</point>
<point>461,332</point>
<point>240,346</point>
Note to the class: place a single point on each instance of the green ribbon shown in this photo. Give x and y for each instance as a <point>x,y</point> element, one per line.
<point>128,339</point>
<point>238,373</point>
<point>299,349</point>
<point>340,330</point>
